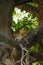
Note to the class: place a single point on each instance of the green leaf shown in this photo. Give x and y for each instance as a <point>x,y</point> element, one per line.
<point>36,63</point>
<point>35,48</point>
<point>23,20</point>
<point>34,4</point>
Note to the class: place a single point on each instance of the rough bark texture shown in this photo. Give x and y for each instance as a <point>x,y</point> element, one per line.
<point>6,8</point>
<point>5,16</point>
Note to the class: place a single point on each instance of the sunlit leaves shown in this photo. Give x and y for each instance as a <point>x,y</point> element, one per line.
<point>35,48</point>
<point>36,63</point>
<point>23,20</point>
<point>34,4</point>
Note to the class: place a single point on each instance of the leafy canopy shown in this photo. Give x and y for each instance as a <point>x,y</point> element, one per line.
<point>35,48</point>
<point>23,20</point>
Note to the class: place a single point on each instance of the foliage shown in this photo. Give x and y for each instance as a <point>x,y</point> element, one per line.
<point>23,20</point>
<point>41,62</point>
<point>35,48</point>
<point>36,63</point>
<point>34,4</point>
